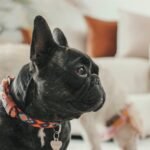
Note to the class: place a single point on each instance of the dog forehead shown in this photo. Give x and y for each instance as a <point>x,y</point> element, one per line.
<point>74,54</point>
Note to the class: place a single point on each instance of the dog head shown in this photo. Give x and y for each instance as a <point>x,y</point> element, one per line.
<point>67,80</point>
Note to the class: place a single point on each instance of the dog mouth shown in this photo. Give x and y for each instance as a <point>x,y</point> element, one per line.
<point>91,103</point>
<point>91,99</point>
<point>87,106</point>
<point>75,110</point>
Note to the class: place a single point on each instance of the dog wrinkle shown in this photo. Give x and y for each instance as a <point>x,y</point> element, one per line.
<point>41,135</point>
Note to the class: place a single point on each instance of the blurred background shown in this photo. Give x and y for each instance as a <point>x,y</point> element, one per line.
<point>116,33</point>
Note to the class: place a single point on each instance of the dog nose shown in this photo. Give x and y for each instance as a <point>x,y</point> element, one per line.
<point>95,79</point>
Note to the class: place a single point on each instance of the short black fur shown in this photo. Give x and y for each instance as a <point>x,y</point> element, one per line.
<point>59,84</point>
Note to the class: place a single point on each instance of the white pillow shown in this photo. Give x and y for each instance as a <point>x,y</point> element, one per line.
<point>133,34</point>
<point>131,73</point>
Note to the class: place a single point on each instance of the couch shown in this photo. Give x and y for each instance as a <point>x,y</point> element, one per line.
<point>130,66</point>
<point>133,75</point>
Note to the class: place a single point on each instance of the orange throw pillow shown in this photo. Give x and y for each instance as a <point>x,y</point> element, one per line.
<point>102,37</point>
<point>27,35</point>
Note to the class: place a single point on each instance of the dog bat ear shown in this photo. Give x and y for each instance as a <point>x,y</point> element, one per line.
<point>59,37</point>
<point>42,40</point>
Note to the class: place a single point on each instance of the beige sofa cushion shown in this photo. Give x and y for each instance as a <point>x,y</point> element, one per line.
<point>131,73</point>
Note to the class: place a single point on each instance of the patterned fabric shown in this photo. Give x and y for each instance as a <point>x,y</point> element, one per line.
<point>13,111</point>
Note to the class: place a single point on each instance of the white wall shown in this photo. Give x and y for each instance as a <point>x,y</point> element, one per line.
<point>58,12</point>
<point>63,13</point>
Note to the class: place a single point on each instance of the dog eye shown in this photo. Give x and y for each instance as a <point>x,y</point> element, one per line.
<point>81,71</point>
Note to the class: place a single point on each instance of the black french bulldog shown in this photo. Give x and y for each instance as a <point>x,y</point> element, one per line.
<point>59,84</point>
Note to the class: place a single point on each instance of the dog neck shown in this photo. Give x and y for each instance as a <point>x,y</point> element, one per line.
<point>24,93</point>
<point>19,88</point>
